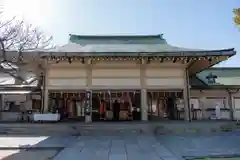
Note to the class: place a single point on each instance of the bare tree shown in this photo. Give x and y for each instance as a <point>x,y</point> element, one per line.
<point>16,35</point>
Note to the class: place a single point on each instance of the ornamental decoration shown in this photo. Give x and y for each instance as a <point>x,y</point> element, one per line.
<point>211,78</point>
<point>142,60</point>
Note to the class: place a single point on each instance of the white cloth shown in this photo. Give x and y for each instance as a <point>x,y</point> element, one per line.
<point>79,110</point>
<point>46,117</point>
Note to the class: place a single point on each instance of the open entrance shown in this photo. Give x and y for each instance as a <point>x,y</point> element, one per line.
<point>165,105</point>
<point>116,105</point>
<point>70,105</point>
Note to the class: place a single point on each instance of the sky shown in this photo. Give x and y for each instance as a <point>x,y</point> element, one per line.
<point>198,24</point>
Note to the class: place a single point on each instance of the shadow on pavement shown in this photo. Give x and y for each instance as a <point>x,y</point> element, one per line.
<point>32,148</point>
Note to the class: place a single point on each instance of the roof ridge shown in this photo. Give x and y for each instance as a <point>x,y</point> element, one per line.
<point>118,36</point>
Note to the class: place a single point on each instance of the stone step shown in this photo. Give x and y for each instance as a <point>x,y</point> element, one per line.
<point>139,128</point>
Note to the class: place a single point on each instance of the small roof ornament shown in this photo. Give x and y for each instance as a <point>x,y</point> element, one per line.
<point>211,78</point>
<point>161,35</point>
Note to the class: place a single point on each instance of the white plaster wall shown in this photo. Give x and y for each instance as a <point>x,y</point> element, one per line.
<point>116,82</point>
<point>173,82</point>
<point>66,76</point>
<point>168,77</point>
<point>165,72</point>
<point>76,82</point>
<point>108,77</point>
<point>116,72</point>
<point>67,73</point>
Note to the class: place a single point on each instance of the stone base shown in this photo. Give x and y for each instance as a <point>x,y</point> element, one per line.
<point>88,119</point>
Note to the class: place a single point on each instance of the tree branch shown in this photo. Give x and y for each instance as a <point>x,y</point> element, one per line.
<point>19,36</point>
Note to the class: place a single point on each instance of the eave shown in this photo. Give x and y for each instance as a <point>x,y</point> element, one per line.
<point>196,60</point>
<point>216,87</point>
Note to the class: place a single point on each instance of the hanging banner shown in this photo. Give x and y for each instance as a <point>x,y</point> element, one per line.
<point>88,104</point>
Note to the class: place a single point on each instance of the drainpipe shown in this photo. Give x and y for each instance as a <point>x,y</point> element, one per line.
<point>230,101</point>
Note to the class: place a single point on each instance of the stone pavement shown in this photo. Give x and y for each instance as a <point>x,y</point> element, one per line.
<point>224,144</point>
<point>116,148</point>
<point>124,146</point>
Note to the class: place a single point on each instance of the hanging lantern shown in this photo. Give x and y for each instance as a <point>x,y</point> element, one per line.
<point>210,59</point>
<point>164,95</point>
<point>174,60</point>
<point>67,96</point>
<point>161,59</point>
<point>75,95</point>
<point>148,60</point>
<point>58,60</point>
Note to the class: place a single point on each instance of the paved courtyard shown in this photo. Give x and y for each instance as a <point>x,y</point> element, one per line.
<point>226,144</point>
<point>120,147</point>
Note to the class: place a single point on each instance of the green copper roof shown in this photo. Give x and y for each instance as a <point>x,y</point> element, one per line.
<point>195,81</point>
<point>117,39</point>
<point>132,45</point>
<point>224,76</point>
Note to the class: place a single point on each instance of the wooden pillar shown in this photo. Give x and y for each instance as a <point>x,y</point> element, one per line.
<point>144,105</point>
<point>230,101</point>
<point>186,96</point>
<point>45,93</point>
<point>88,118</point>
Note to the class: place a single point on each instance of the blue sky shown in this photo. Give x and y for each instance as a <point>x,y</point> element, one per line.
<point>206,24</point>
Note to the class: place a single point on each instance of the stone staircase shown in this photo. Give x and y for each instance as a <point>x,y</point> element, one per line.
<point>106,129</point>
